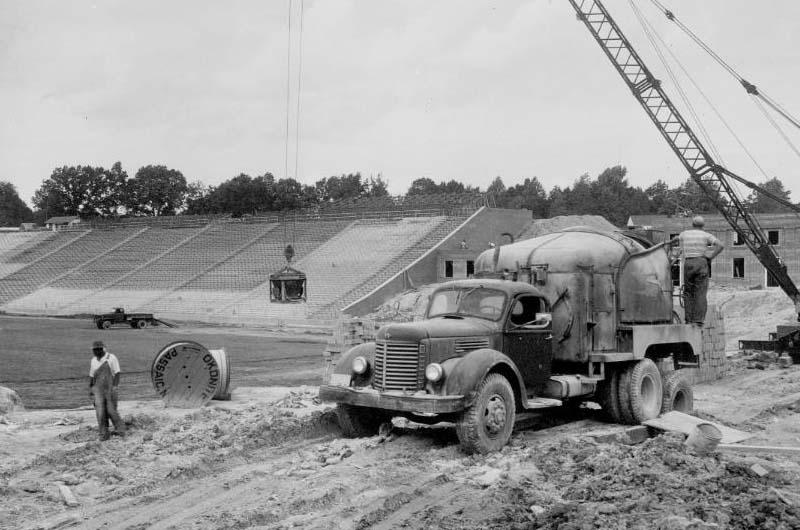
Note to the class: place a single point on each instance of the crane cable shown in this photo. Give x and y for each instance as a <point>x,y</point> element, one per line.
<point>651,35</point>
<point>711,105</point>
<point>299,90</point>
<point>288,91</point>
<point>750,88</point>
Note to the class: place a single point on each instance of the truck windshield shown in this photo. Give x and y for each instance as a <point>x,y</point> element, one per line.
<point>474,302</point>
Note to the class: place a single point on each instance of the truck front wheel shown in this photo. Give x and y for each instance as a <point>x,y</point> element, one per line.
<point>487,424</point>
<point>640,392</point>
<point>360,421</point>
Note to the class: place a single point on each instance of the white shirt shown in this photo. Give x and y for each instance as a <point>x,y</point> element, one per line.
<point>110,358</point>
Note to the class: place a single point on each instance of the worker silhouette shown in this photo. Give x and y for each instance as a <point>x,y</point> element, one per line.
<point>697,248</point>
<point>103,381</point>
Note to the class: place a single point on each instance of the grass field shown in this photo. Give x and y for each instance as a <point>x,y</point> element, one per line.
<point>46,360</point>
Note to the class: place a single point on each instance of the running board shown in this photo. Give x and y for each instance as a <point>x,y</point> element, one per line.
<point>542,403</point>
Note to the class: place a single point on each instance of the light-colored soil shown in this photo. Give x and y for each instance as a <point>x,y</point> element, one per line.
<point>273,457</point>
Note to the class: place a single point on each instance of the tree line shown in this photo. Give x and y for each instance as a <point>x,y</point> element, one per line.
<point>156,190</point>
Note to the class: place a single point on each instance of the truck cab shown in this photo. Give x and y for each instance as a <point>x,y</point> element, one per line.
<point>580,314</point>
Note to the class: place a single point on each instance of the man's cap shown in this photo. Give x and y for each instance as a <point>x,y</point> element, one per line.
<point>98,345</point>
<point>698,221</point>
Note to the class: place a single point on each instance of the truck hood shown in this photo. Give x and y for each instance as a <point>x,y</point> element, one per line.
<point>439,327</point>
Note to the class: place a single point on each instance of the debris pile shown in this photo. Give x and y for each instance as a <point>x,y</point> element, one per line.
<point>657,484</point>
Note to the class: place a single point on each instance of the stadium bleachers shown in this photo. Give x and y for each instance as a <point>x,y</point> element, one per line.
<point>344,261</point>
<point>57,262</point>
<point>395,266</point>
<point>14,243</point>
<point>217,270</point>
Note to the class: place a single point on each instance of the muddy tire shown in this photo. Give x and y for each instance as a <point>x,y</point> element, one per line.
<point>608,397</point>
<point>678,394</point>
<point>106,324</point>
<point>356,421</point>
<point>640,392</point>
<point>487,424</point>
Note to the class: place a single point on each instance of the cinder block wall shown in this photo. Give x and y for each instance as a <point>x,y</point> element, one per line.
<point>712,358</point>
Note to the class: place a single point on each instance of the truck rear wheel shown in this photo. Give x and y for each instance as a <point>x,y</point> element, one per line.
<point>640,392</point>
<point>487,424</point>
<point>141,324</point>
<point>608,397</point>
<point>106,324</point>
<point>360,421</point>
<point>678,394</point>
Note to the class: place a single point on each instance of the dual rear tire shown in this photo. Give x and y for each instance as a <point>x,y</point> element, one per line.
<point>639,392</point>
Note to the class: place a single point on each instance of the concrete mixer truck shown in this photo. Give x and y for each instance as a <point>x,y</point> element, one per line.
<point>571,316</point>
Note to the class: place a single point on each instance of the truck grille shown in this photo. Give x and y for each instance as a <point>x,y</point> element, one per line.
<point>397,366</point>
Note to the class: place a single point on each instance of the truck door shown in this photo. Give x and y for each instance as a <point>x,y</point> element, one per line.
<point>528,340</point>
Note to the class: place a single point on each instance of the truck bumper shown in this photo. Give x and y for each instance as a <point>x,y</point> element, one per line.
<point>415,403</point>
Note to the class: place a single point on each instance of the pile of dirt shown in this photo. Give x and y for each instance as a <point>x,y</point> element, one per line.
<point>404,307</point>
<point>751,314</point>
<point>159,448</point>
<point>657,484</point>
<point>540,227</point>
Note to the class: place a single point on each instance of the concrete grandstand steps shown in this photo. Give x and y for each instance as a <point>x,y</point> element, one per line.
<point>14,243</point>
<point>135,256</point>
<point>252,266</point>
<point>46,246</point>
<point>414,252</point>
<point>69,255</point>
<point>355,255</point>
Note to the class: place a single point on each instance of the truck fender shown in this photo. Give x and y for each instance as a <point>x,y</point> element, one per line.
<point>366,350</point>
<point>464,374</point>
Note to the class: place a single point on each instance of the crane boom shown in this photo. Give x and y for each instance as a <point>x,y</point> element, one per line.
<point>712,178</point>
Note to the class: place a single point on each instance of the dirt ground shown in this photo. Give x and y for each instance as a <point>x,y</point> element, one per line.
<point>273,457</point>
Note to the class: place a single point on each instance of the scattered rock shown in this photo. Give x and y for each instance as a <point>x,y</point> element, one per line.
<point>10,401</point>
<point>69,479</point>
<point>490,477</point>
<point>67,496</point>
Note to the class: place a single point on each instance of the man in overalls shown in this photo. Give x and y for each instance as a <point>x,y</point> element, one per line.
<point>103,382</point>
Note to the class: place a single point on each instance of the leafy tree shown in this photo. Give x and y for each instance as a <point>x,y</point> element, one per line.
<point>496,188</point>
<point>82,190</point>
<point>691,198</point>
<point>349,186</point>
<point>377,187</point>
<point>13,210</point>
<point>530,194</point>
<point>289,195</point>
<point>759,203</point>
<point>156,190</point>
<point>423,186</point>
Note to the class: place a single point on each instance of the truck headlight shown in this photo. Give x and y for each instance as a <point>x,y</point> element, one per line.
<point>359,365</point>
<point>434,372</point>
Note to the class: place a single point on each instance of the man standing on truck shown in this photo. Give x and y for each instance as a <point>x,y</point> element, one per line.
<point>103,383</point>
<point>697,248</point>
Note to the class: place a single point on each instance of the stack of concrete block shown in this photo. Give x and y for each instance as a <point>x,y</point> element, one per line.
<point>712,361</point>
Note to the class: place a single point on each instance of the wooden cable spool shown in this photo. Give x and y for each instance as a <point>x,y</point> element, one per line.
<point>187,375</point>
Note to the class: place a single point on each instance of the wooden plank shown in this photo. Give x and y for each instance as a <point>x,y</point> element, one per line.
<point>759,449</point>
<point>679,422</point>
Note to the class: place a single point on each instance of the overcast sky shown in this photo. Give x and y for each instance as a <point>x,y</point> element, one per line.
<point>441,89</point>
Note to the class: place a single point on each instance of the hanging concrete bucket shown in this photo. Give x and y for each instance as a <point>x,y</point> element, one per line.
<point>704,438</point>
